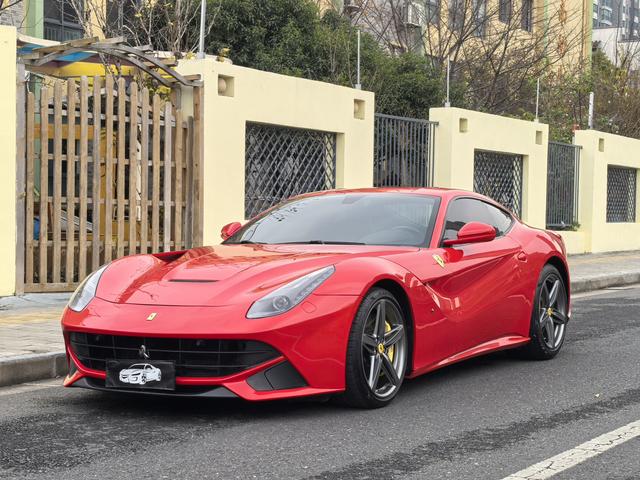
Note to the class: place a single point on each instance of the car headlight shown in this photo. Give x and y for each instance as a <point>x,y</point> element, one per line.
<point>86,291</point>
<point>289,295</point>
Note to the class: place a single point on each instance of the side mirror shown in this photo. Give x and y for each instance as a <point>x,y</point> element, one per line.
<point>229,229</point>
<point>472,232</point>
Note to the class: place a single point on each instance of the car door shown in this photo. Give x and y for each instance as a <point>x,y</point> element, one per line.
<point>479,289</point>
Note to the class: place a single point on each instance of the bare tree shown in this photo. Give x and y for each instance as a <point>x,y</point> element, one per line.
<point>166,25</point>
<point>497,48</point>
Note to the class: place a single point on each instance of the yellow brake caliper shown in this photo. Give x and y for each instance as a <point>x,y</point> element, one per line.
<point>391,350</point>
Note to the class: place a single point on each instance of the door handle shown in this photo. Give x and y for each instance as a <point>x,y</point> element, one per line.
<point>521,256</point>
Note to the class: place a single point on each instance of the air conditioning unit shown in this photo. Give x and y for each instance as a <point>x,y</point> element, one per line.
<point>414,14</point>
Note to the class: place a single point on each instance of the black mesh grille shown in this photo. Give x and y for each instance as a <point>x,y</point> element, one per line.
<point>499,176</point>
<point>282,162</point>
<point>193,357</point>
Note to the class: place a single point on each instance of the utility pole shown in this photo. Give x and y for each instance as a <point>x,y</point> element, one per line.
<point>537,99</point>
<point>447,102</point>
<point>203,19</point>
<point>358,85</point>
<point>591,99</point>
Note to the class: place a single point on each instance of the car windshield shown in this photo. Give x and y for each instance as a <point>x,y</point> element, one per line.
<point>394,219</point>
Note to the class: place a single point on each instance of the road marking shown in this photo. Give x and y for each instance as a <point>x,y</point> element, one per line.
<point>30,387</point>
<point>554,465</point>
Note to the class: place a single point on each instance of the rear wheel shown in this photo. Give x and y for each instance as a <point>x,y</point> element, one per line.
<point>549,317</point>
<point>377,352</point>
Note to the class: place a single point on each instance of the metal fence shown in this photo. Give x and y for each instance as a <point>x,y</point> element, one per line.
<point>281,162</point>
<point>563,167</point>
<point>621,194</point>
<point>499,176</point>
<point>404,152</point>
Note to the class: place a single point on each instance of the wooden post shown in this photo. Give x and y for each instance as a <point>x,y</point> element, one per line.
<point>71,180</point>
<point>198,152</point>
<point>96,197</point>
<point>43,204</point>
<point>84,173</point>
<point>57,180</point>
<point>144,173</point>
<point>133,167</point>
<point>120,182</point>
<point>155,186</point>
<point>108,201</point>
<point>166,194</point>
<point>21,180</point>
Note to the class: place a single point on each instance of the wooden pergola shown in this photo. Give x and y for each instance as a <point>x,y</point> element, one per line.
<point>112,53</point>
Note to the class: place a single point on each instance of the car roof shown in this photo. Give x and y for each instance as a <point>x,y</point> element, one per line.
<point>431,191</point>
<point>443,193</point>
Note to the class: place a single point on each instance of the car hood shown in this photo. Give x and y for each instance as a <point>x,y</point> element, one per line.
<point>220,275</point>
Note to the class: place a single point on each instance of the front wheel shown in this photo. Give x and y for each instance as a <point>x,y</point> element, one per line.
<point>549,317</point>
<point>377,352</point>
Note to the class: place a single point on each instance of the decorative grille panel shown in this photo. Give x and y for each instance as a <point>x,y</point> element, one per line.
<point>403,152</point>
<point>499,176</point>
<point>621,194</point>
<point>563,168</point>
<point>281,162</point>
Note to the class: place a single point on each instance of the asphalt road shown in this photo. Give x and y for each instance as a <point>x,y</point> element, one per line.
<point>484,419</point>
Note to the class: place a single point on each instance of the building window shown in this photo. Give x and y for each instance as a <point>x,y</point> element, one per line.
<point>480,16</point>
<point>61,20</point>
<point>527,15</point>
<point>433,11</point>
<point>456,14</point>
<point>504,11</point>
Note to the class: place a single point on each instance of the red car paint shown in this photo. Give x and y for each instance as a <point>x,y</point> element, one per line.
<point>479,301</point>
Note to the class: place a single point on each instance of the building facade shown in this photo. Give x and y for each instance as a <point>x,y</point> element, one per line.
<point>618,14</point>
<point>562,27</point>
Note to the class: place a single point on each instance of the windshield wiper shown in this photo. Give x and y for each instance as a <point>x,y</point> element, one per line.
<point>322,242</point>
<point>249,242</point>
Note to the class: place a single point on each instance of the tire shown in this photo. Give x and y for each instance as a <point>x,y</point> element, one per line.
<point>545,310</point>
<point>367,355</point>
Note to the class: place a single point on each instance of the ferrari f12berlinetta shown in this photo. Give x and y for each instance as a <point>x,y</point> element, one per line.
<point>344,293</point>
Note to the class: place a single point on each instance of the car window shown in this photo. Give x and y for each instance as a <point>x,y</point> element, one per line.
<point>464,210</point>
<point>382,218</point>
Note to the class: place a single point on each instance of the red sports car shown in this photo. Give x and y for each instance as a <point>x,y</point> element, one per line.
<point>344,293</point>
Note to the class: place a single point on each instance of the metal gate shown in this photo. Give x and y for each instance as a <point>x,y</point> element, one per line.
<point>281,162</point>
<point>563,176</point>
<point>499,176</point>
<point>404,152</point>
<point>111,170</point>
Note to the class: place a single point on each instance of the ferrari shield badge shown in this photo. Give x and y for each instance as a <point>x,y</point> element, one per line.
<point>152,316</point>
<point>439,260</point>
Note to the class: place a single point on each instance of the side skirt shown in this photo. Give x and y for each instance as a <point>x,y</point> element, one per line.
<point>502,343</point>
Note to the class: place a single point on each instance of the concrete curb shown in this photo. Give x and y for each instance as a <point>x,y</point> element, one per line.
<point>604,281</point>
<point>29,368</point>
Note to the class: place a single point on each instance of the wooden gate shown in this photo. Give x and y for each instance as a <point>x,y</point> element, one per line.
<point>111,170</point>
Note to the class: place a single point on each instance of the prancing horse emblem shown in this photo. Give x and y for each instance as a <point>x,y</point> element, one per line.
<point>151,316</point>
<point>439,260</point>
<point>142,352</point>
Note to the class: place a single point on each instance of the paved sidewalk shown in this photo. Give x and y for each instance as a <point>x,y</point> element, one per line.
<point>30,325</point>
<point>596,271</point>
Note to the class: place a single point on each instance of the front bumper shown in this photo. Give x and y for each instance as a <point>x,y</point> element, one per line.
<point>311,339</point>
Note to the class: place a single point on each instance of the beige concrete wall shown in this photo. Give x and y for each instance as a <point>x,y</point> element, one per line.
<point>236,95</point>
<point>460,132</point>
<point>8,160</point>
<point>598,151</point>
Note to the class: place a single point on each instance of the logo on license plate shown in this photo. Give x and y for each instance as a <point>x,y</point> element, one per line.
<point>140,374</point>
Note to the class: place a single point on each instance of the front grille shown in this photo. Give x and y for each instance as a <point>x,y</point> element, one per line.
<point>193,357</point>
